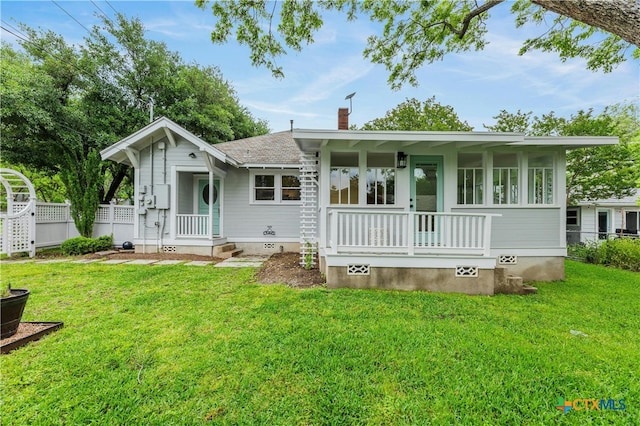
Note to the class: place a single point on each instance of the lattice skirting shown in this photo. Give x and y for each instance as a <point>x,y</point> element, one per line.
<point>358,270</point>
<point>466,271</point>
<point>507,259</point>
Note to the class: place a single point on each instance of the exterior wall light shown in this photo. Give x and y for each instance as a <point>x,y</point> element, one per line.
<point>402,160</point>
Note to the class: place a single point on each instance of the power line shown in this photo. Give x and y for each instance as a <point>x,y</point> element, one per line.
<point>112,8</point>
<point>14,29</point>
<point>18,36</point>
<point>71,16</point>
<point>98,7</point>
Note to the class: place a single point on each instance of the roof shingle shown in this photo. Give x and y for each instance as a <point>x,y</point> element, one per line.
<point>273,148</point>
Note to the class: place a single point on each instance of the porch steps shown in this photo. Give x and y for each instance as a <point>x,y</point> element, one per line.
<point>225,251</point>
<point>509,284</point>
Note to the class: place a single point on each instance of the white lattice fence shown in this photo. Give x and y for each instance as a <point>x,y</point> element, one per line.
<point>17,224</point>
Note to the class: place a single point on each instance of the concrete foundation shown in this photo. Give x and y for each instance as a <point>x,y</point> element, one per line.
<point>197,250</point>
<point>267,248</point>
<point>427,279</point>
<point>537,268</point>
<point>247,248</point>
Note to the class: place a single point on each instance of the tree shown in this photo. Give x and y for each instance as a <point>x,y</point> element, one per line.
<point>415,33</point>
<point>413,115</point>
<point>62,104</point>
<point>592,173</point>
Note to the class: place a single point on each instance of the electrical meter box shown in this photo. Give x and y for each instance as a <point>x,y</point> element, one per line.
<point>149,201</point>
<point>161,193</point>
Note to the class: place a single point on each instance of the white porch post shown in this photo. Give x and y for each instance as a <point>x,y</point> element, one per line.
<point>486,238</point>
<point>411,233</point>
<point>211,188</point>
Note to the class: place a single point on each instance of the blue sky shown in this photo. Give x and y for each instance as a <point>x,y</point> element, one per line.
<point>477,84</point>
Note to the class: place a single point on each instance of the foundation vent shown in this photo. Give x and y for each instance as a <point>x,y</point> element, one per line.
<point>466,271</point>
<point>168,249</point>
<point>269,246</point>
<point>507,259</point>
<point>357,269</point>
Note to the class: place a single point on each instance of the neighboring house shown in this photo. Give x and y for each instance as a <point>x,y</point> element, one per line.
<point>440,211</point>
<point>601,219</point>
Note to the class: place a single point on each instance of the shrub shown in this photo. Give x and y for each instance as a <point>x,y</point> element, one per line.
<point>102,243</point>
<point>623,253</point>
<point>83,245</point>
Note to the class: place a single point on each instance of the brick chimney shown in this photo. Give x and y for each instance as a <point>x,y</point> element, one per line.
<point>343,118</point>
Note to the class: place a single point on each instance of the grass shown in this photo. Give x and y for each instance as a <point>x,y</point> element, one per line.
<point>186,345</point>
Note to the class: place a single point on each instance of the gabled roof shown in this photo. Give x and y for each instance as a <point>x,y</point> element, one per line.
<point>271,150</point>
<point>127,150</point>
<point>274,149</point>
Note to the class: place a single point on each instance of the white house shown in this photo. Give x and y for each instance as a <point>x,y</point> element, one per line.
<point>440,211</point>
<point>600,219</point>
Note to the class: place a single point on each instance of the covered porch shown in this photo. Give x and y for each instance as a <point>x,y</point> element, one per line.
<point>198,205</point>
<point>408,233</point>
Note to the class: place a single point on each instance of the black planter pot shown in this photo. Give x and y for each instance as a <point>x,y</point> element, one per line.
<point>11,309</point>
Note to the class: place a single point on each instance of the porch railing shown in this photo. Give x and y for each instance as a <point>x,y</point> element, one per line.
<point>192,225</point>
<point>354,231</point>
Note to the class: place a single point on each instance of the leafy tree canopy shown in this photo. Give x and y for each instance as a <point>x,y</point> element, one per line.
<point>422,32</point>
<point>61,104</point>
<point>592,173</point>
<point>414,115</point>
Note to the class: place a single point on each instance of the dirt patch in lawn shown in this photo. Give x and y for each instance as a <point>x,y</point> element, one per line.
<point>129,255</point>
<point>284,268</point>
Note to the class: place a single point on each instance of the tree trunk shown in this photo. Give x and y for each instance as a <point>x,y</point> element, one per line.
<point>619,17</point>
<point>115,184</point>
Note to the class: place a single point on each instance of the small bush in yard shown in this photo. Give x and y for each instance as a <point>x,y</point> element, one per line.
<point>623,253</point>
<point>83,245</point>
<point>102,243</point>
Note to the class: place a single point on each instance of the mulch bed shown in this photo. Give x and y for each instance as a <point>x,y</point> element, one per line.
<point>130,255</point>
<point>27,332</point>
<point>284,268</point>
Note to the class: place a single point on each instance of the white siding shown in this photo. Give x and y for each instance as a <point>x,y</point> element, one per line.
<point>246,221</point>
<point>524,227</point>
<point>185,193</point>
<point>163,161</point>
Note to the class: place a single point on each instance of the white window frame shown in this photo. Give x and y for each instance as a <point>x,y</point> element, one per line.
<point>508,194</point>
<point>472,171</point>
<point>545,172</point>
<point>375,169</point>
<point>277,174</point>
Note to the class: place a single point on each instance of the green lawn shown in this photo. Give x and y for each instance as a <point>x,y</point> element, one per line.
<point>165,345</point>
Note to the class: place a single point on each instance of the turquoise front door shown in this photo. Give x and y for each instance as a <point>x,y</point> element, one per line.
<point>203,202</point>
<point>426,197</point>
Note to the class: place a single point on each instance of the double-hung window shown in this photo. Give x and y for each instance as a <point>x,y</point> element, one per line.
<point>275,187</point>
<point>381,178</point>
<point>470,179</point>
<point>344,178</point>
<point>540,178</point>
<point>505,178</point>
